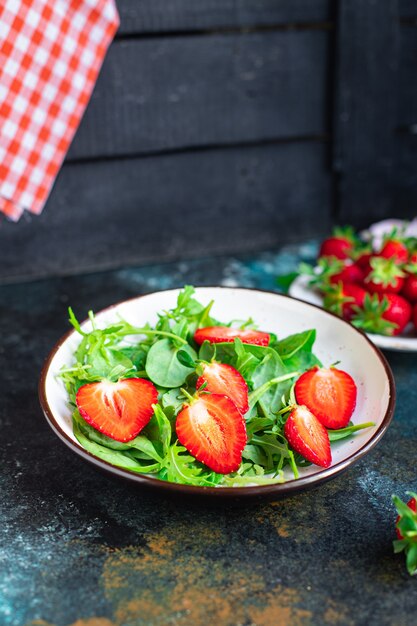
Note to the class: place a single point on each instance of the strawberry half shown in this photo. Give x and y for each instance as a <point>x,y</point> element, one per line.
<point>225,380</point>
<point>307,436</point>
<point>329,393</point>
<point>213,431</point>
<point>119,410</point>
<point>220,334</point>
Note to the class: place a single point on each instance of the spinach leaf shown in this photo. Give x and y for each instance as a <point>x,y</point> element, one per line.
<point>289,346</point>
<point>164,368</point>
<point>115,457</point>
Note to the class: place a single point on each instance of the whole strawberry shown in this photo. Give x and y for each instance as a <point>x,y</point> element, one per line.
<point>414,316</point>
<point>409,290</point>
<point>338,247</point>
<point>406,528</point>
<point>344,299</point>
<point>385,276</point>
<point>395,249</point>
<point>350,274</point>
<point>341,245</point>
<point>385,314</point>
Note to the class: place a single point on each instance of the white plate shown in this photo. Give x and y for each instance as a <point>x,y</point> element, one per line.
<point>336,341</point>
<point>406,343</point>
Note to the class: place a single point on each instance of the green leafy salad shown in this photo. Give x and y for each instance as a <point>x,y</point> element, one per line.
<point>198,401</point>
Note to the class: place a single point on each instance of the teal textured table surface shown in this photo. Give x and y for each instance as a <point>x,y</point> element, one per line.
<point>79,548</point>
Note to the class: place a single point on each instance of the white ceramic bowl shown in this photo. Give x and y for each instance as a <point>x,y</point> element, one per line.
<point>336,341</point>
<point>407,342</point>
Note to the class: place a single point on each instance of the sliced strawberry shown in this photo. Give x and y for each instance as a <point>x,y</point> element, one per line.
<point>349,275</point>
<point>225,380</point>
<point>385,276</point>
<point>220,334</point>
<point>119,410</point>
<point>329,393</point>
<point>338,247</point>
<point>307,436</point>
<point>394,248</point>
<point>343,300</point>
<point>213,431</point>
<point>412,504</point>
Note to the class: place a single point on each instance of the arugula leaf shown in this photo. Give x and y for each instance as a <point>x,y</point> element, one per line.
<point>270,368</point>
<point>342,433</point>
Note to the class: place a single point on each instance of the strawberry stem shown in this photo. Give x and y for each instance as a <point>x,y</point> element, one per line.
<point>187,395</point>
<point>257,394</point>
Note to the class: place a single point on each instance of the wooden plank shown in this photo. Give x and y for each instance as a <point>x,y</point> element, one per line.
<point>129,211</point>
<point>149,16</point>
<point>407,89</point>
<point>164,94</point>
<point>406,182</point>
<point>365,112</point>
<point>408,9</point>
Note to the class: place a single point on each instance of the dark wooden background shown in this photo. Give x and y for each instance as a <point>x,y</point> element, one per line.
<point>222,126</point>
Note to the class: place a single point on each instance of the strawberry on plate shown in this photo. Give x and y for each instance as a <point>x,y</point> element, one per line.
<point>213,431</point>
<point>385,276</point>
<point>220,334</point>
<point>338,247</point>
<point>343,299</point>
<point>387,314</point>
<point>307,436</point>
<point>224,379</point>
<point>414,316</point>
<point>363,260</point>
<point>395,249</point>
<point>329,393</point>
<point>350,274</point>
<point>119,410</point>
<point>409,290</point>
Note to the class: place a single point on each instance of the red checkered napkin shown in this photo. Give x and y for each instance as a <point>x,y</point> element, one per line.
<point>51,52</point>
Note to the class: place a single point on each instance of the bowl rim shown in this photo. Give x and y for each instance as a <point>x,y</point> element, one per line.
<point>277,489</point>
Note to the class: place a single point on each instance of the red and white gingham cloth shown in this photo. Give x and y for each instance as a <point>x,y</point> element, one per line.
<point>51,52</point>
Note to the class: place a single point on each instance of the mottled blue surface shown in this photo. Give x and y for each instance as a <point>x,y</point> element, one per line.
<point>77,545</point>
